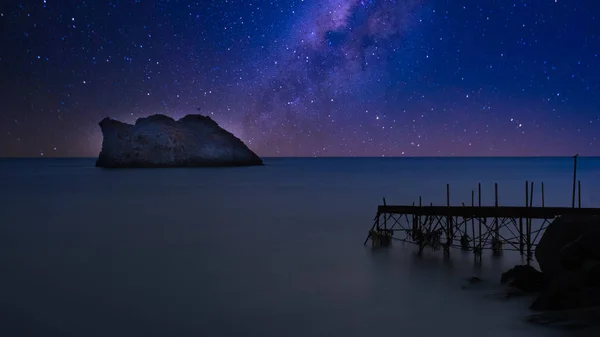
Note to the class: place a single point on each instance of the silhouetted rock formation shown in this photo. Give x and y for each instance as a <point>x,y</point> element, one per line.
<point>569,258</point>
<point>524,278</point>
<point>567,243</point>
<point>160,141</point>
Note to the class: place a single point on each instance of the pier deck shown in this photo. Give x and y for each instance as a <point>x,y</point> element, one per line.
<point>486,211</point>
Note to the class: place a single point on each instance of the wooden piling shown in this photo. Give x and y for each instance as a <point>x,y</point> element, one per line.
<point>419,222</point>
<point>574,179</point>
<point>521,232</point>
<point>531,195</point>
<point>529,243</point>
<point>542,194</point>
<point>473,225</point>
<point>480,225</point>
<point>496,245</point>
<point>449,225</point>
<point>385,217</point>
<point>415,226</point>
<point>521,236</point>
<point>497,227</point>
<point>579,193</point>
<point>527,193</point>
<point>528,227</point>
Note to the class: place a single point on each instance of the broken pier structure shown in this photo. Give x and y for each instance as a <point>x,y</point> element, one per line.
<point>470,227</point>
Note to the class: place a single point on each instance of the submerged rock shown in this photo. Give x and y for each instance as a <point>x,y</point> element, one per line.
<point>160,141</point>
<point>568,319</point>
<point>524,278</point>
<point>566,292</point>
<point>474,280</point>
<point>471,282</point>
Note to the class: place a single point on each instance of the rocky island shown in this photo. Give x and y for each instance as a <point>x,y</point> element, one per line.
<point>161,141</point>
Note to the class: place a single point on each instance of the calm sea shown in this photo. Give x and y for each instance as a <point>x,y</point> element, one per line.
<point>260,251</point>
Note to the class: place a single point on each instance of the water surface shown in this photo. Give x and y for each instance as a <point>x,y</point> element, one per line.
<point>259,251</point>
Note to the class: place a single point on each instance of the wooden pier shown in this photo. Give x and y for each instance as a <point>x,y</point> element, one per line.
<point>475,227</point>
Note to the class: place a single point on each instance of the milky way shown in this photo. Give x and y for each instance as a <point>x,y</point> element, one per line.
<point>308,78</point>
<point>333,54</point>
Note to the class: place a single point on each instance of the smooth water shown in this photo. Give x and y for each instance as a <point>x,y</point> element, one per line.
<point>259,251</point>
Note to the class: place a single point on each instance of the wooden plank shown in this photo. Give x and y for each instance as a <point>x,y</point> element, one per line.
<point>488,211</point>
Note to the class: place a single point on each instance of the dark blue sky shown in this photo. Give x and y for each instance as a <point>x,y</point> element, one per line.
<point>304,78</point>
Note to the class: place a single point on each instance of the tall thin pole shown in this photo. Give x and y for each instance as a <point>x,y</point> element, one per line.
<point>385,217</point>
<point>574,178</point>
<point>496,250</point>
<point>531,195</point>
<point>497,227</point>
<point>542,194</point>
<point>449,225</point>
<point>579,192</point>
<point>527,193</point>
<point>419,222</point>
<point>479,219</point>
<point>529,227</point>
<point>473,223</point>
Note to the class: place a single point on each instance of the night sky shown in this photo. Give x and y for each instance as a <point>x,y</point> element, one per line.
<point>307,77</point>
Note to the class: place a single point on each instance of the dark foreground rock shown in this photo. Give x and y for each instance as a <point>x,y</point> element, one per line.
<point>583,318</point>
<point>567,243</point>
<point>569,257</point>
<point>567,292</point>
<point>524,278</point>
<point>160,141</point>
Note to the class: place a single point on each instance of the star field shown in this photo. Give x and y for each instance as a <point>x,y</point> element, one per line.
<point>308,78</point>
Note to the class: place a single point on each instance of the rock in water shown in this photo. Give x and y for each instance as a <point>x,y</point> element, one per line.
<point>569,256</point>
<point>524,278</point>
<point>567,243</point>
<point>160,141</point>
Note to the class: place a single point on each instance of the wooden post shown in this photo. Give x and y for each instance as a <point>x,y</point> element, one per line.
<point>542,194</point>
<point>521,233</point>
<point>574,178</point>
<point>419,217</point>
<point>376,238</point>
<point>385,217</point>
<point>579,193</point>
<point>521,236</point>
<point>497,228</point>
<point>529,242</point>
<point>496,249</point>
<point>531,195</point>
<point>526,193</point>
<point>473,224</point>
<point>449,225</point>
<point>529,220</point>
<point>480,219</point>
<point>415,226</point>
